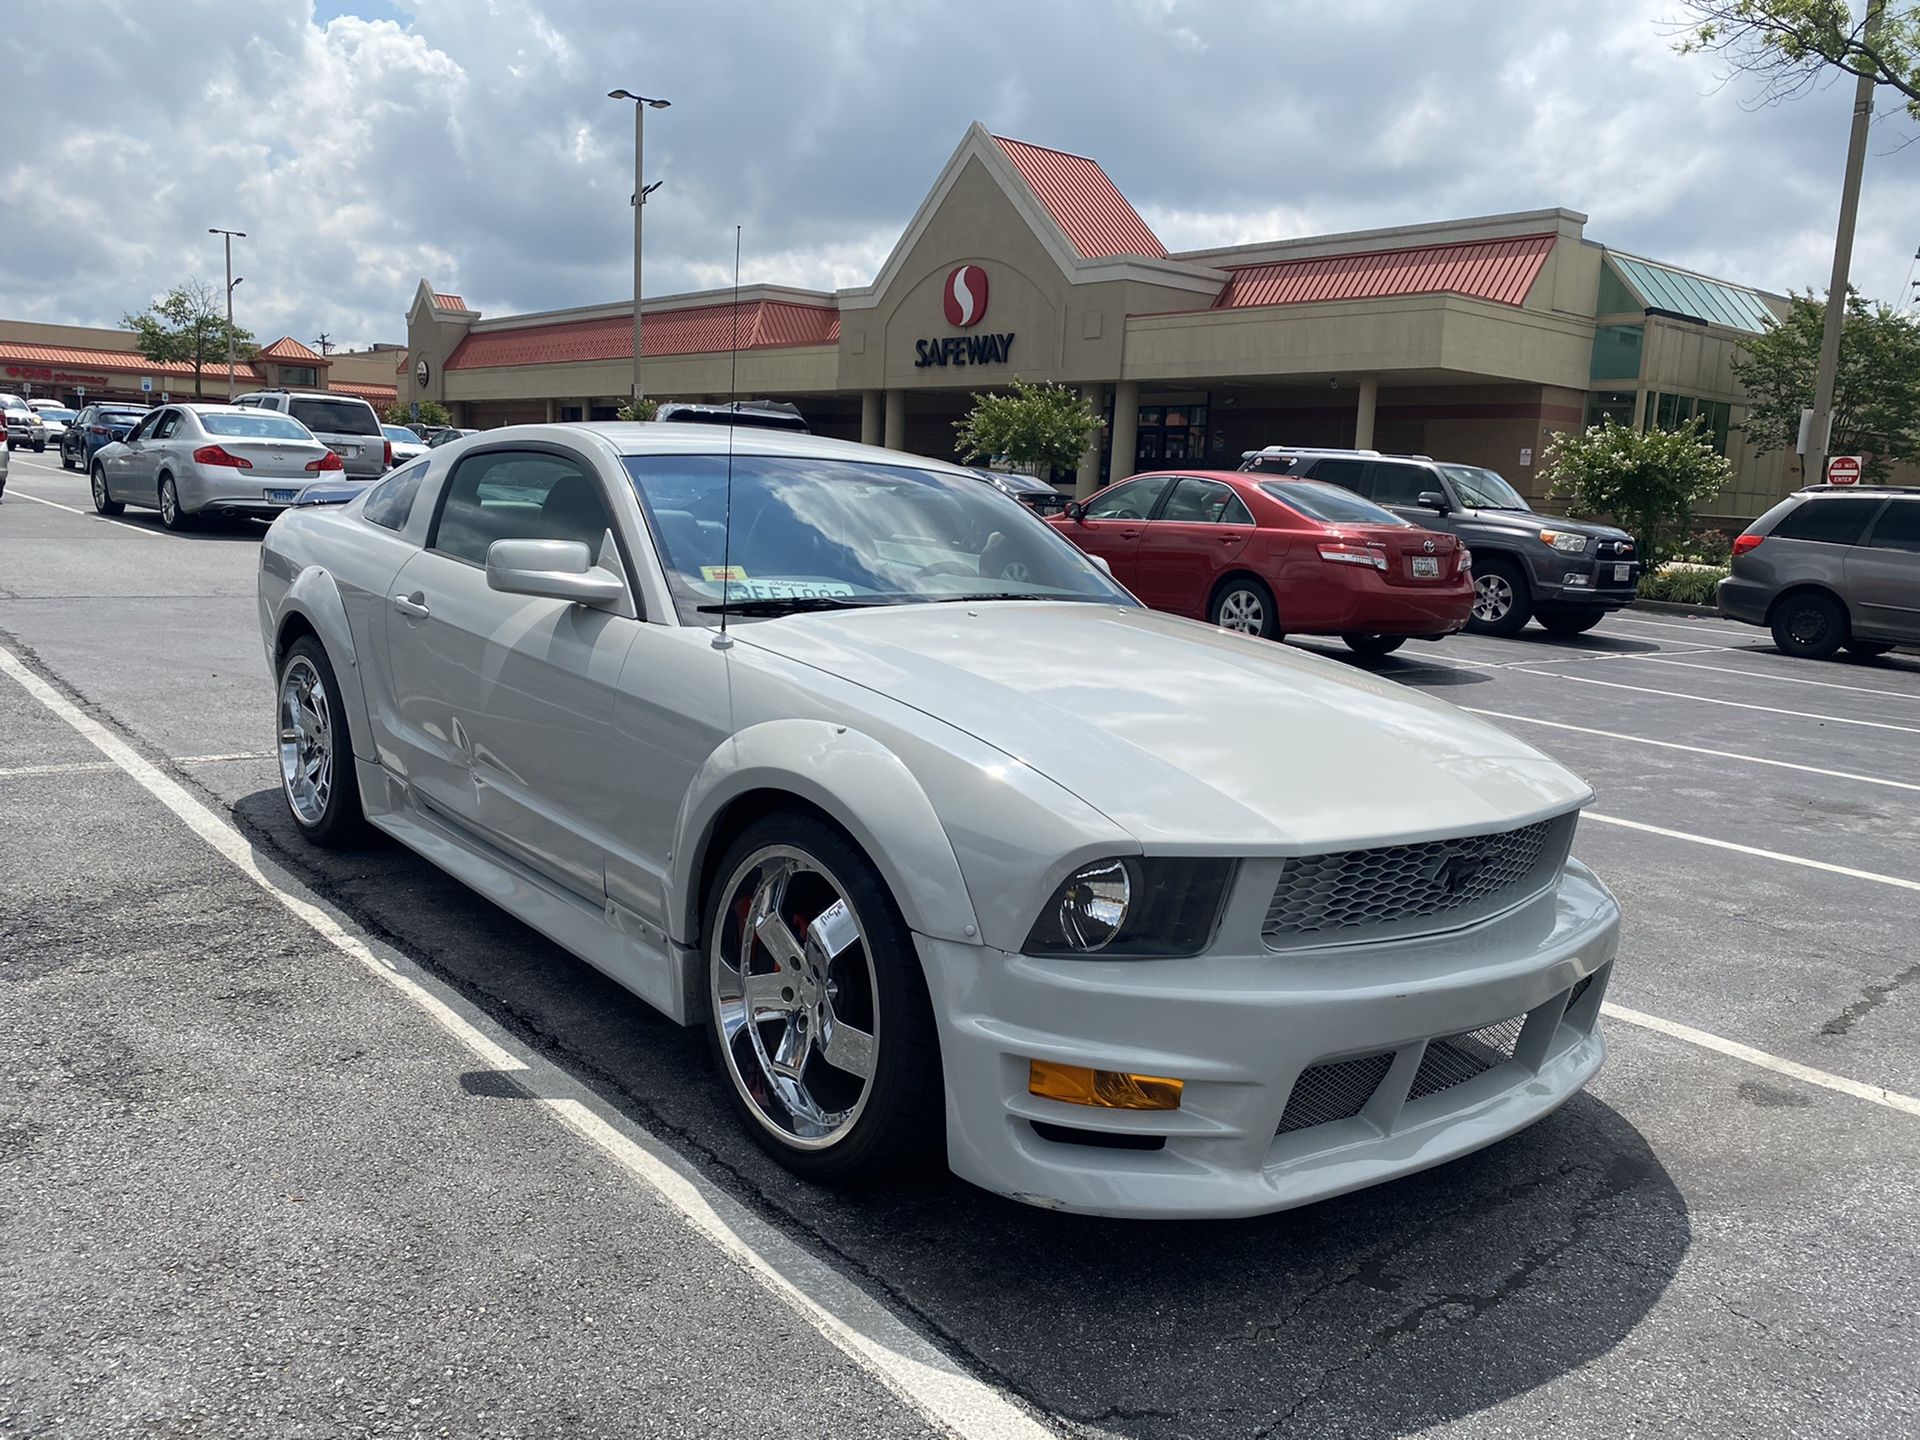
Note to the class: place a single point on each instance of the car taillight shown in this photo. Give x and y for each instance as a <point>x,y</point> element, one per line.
<point>1743,543</point>
<point>1465,562</point>
<point>1353,552</point>
<point>96,429</point>
<point>328,461</point>
<point>389,455</point>
<point>216,455</point>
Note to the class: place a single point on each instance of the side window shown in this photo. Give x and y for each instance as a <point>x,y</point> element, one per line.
<point>518,495</point>
<point>1834,521</point>
<point>248,400</point>
<point>390,503</point>
<point>145,428</point>
<point>168,423</point>
<point>1898,527</point>
<point>1205,502</point>
<point>1395,484</point>
<point>1345,473</point>
<point>1129,500</point>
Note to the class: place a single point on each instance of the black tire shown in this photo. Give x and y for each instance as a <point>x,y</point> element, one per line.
<point>168,499</point>
<point>1868,649</point>
<point>1810,625</point>
<point>1502,600</point>
<point>41,448</point>
<point>1244,603</point>
<point>339,819</point>
<point>1373,646</point>
<point>901,1122</point>
<point>98,483</point>
<point>66,459</point>
<point>1569,622</point>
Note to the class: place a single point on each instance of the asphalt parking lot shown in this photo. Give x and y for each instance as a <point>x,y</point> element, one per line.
<point>248,1186</point>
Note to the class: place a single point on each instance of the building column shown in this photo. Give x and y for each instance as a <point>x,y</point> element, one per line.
<point>871,403</point>
<point>1087,480</point>
<point>895,436</point>
<point>1369,401</point>
<point>553,411</point>
<point>1126,430</point>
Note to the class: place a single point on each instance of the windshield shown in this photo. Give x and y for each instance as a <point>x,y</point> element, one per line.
<point>1484,489</point>
<point>335,417</point>
<point>254,425</point>
<point>1330,503</point>
<point>61,415</point>
<point>830,532</point>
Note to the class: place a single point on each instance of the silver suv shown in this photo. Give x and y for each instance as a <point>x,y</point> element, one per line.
<point>1831,566</point>
<point>345,425</point>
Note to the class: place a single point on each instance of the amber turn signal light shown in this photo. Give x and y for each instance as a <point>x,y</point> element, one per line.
<point>1108,1089</point>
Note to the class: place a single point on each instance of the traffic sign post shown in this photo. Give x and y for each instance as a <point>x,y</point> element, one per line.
<point>1843,470</point>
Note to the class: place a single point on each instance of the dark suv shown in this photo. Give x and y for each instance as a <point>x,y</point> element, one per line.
<point>1567,574</point>
<point>1828,566</point>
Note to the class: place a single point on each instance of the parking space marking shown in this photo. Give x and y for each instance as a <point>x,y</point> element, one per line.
<point>93,515</point>
<point>1900,882</point>
<point>924,1376</point>
<point>1706,1040</point>
<point>1695,749</point>
<point>1735,704</point>
<point>1753,634</point>
<point>212,759</point>
<point>1789,679</point>
<point>71,767</point>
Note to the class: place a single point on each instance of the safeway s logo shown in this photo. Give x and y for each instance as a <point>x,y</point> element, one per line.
<point>966,296</point>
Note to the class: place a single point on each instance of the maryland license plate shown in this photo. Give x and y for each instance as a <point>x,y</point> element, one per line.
<point>1426,567</point>
<point>282,497</point>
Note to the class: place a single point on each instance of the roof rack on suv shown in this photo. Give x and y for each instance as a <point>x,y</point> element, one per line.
<point>1826,488</point>
<point>1305,450</point>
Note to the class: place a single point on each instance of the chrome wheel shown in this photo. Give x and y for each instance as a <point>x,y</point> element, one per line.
<point>169,504</point>
<point>1243,611</point>
<point>794,997</point>
<point>99,489</point>
<point>306,741</point>
<point>1492,598</point>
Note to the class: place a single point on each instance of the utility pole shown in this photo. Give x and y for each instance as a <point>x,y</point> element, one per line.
<point>325,343</point>
<point>230,236</point>
<point>1815,471</point>
<point>641,104</point>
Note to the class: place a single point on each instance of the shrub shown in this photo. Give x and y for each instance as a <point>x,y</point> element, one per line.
<point>1035,425</point>
<point>1683,584</point>
<point>1649,481</point>
<point>645,408</point>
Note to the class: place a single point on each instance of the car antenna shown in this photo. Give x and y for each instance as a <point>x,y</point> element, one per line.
<point>725,641</point>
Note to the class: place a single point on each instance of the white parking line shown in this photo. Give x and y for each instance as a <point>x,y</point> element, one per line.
<point>1697,629</point>
<point>1695,749</point>
<point>71,767</point>
<point>211,759</point>
<point>1913,695</point>
<point>1734,704</point>
<point>1900,882</point>
<point>92,515</point>
<point>913,1367</point>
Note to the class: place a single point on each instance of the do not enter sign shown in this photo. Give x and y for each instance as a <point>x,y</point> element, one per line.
<point>1843,470</point>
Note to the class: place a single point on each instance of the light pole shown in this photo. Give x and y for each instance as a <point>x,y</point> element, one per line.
<point>641,104</point>
<point>231,282</point>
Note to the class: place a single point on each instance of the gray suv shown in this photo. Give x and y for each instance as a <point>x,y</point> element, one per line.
<point>344,424</point>
<point>1566,574</point>
<point>1828,566</point>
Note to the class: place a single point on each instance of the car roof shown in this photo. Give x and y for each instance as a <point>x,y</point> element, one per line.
<point>663,437</point>
<point>209,407</point>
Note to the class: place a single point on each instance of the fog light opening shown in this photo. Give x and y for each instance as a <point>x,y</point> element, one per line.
<point>1104,1089</point>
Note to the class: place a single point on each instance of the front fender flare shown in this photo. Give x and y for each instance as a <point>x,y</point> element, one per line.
<point>315,598</point>
<point>864,786</point>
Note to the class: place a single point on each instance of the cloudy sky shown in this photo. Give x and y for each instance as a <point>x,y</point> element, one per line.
<point>365,145</point>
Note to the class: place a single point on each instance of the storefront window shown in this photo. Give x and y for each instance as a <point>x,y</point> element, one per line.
<point>604,412</point>
<point>569,412</point>
<point>1671,412</point>
<point>1614,405</point>
<point>1616,353</point>
<point>1168,433</point>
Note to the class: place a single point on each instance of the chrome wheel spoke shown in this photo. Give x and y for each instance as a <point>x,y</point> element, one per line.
<point>768,994</point>
<point>846,1048</point>
<point>306,742</point>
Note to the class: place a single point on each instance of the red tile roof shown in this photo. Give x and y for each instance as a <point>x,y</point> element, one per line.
<point>288,348</point>
<point>703,329</point>
<point>373,394</point>
<point>1096,217</point>
<point>448,302</point>
<point>123,361</point>
<point>1501,270</point>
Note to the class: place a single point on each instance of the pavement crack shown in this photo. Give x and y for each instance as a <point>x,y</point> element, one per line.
<point>1871,999</point>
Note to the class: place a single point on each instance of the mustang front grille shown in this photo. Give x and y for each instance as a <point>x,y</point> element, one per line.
<point>1338,1091</point>
<point>1355,895</point>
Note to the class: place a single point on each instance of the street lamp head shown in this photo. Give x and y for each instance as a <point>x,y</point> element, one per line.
<point>659,104</point>
<point>236,280</point>
<point>621,95</point>
<point>638,99</point>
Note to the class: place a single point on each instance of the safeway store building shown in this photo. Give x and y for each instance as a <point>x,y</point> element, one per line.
<point>1471,340</point>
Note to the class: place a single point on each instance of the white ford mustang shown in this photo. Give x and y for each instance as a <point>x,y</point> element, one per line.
<point>952,846</point>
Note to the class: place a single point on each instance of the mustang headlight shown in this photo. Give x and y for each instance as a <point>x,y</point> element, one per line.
<point>1133,907</point>
<point>1563,542</point>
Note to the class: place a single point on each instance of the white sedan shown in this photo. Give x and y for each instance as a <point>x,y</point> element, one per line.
<point>951,846</point>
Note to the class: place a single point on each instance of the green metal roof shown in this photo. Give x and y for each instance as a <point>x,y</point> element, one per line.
<point>1714,301</point>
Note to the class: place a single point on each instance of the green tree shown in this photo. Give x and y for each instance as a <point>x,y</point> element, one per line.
<point>1035,424</point>
<point>1876,394</point>
<point>188,324</point>
<point>432,412</point>
<point>1788,44</point>
<point>1648,481</point>
<point>644,408</point>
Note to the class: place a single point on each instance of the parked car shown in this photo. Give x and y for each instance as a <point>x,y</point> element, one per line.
<point>345,424</point>
<point>1831,566</point>
<point>188,460</point>
<point>56,418</point>
<point>759,414</point>
<point>24,426</point>
<point>6,464</point>
<point>406,445</point>
<point>951,845</point>
<point>1036,495</point>
<point>1273,556</point>
<point>94,427</point>
<point>45,404</point>
<point>446,435</point>
<point>1567,574</point>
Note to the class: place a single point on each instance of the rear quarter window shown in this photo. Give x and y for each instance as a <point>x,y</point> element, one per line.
<point>1832,520</point>
<point>390,503</point>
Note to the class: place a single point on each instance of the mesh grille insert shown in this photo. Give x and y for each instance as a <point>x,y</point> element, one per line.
<point>1327,897</point>
<point>1333,1092</point>
<point>1573,995</point>
<point>1458,1058</point>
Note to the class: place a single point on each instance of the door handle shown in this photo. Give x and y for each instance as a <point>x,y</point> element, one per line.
<point>1129,534</point>
<point>414,605</point>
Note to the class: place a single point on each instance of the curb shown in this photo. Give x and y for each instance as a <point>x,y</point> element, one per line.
<point>1674,607</point>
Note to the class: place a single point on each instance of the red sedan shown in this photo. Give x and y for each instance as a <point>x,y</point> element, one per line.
<point>1274,556</point>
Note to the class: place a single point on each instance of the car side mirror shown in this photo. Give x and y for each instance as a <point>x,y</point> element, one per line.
<point>1433,500</point>
<point>553,570</point>
<point>1076,511</point>
<point>1101,561</point>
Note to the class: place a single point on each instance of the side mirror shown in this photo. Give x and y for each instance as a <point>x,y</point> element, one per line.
<point>1076,511</point>
<point>553,570</point>
<point>1433,500</point>
<point>1101,561</point>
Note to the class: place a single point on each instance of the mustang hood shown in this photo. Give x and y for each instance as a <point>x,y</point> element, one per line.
<point>1186,736</point>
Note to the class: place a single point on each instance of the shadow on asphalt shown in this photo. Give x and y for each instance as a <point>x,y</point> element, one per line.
<point>202,527</point>
<point>1379,1313</point>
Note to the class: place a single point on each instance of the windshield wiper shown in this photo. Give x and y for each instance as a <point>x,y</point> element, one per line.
<point>790,605</point>
<point>988,595</point>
